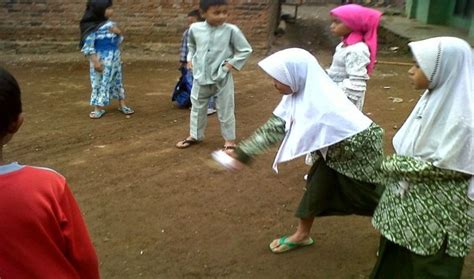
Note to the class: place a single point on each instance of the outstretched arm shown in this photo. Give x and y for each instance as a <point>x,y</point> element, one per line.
<point>272,132</point>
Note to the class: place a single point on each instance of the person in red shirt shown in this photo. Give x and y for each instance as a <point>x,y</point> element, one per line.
<point>42,232</point>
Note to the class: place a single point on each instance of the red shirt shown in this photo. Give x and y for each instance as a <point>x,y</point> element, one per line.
<point>42,232</point>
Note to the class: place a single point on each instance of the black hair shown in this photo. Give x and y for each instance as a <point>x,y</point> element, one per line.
<point>10,101</point>
<point>195,13</point>
<point>93,18</point>
<point>205,4</point>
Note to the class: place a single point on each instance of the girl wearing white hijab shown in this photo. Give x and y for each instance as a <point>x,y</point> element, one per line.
<point>425,215</point>
<point>315,116</point>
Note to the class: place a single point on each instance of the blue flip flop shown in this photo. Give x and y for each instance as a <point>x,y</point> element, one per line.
<point>288,246</point>
<point>96,114</point>
<point>126,110</point>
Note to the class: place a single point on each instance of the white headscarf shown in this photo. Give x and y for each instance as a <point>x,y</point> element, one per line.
<point>317,114</point>
<point>440,127</point>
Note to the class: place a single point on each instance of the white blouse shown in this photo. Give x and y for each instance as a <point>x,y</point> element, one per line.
<point>349,71</point>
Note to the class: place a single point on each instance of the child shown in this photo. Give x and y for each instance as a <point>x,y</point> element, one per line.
<point>425,216</point>
<point>42,231</point>
<point>355,56</point>
<point>315,116</point>
<point>215,48</point>
<point>193,16</point>
<point>100,41</point>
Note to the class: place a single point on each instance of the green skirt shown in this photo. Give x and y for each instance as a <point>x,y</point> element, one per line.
<point>395,261</point>
<point>330,193</point>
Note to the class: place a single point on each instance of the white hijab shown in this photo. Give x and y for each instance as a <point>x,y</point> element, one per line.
<point>317,114</point>
<point>440,127</point>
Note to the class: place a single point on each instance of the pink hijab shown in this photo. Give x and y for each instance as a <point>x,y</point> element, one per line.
<point>364,23</point>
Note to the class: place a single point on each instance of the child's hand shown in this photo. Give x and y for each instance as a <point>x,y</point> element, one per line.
<point>96,62</point>
<point>98,66</point>
<point>190,65</point>
<point>227,161</point>
<point>228,66</point>
<point>116,30</point>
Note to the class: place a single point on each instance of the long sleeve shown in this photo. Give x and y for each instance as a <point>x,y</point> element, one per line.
<point>355,84</point>
<point>191,44</point>
<point>272,132</point>
<point>242,49</point>
<point>183,50</point>
<point>79,249</point>
<point>407,168</point>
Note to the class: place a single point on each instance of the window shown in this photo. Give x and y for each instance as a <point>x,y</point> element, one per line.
<point>464,8</point>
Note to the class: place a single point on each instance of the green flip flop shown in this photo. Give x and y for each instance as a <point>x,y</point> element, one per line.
<point>284,245</point>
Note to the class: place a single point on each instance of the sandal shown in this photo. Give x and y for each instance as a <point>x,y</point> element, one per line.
<point>286,246</point>
<point>96,114</point>
<point>229,147</point>
<point>187,142</point>
<point>126,110</point>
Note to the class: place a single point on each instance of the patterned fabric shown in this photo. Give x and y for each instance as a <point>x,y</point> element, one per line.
<point>349,71</point>
<point>423,206</point>
<point>109,83</point>
<point>358,157</point>
<point>355,157</point>
<point>272,132</point>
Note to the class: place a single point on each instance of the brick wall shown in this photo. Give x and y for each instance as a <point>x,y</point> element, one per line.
<point>53,25</point>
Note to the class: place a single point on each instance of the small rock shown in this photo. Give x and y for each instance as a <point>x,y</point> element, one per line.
<point>396,99</point>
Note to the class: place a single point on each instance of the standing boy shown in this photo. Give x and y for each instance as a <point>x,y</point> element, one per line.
<point>42,232</point>
<point>193,16</point>
<point>215,48</point>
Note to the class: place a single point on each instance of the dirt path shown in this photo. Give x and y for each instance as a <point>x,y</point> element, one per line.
<point>158,212</point>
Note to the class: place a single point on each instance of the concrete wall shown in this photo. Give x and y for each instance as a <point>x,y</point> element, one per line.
<point>438,12</point>
<point>157,23</point>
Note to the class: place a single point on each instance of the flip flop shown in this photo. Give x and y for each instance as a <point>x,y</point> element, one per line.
<point>288,246</point>
<point>96,114</point>
<point>126,110</point>
<point>229,147</point>
<point>186,143</point>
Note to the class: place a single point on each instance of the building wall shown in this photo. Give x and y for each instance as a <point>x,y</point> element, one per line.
<point>144,22</point>
<point>438,12</point>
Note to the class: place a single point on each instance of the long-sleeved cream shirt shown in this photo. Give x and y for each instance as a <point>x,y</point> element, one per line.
<point>211,46</point>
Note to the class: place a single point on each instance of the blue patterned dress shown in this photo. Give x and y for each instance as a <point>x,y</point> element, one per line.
<point>108,84</point>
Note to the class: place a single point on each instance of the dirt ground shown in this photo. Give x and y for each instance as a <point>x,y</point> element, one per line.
<point>154,211</point>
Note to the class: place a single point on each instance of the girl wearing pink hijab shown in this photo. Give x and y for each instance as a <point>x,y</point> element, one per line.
<point>355,56</point>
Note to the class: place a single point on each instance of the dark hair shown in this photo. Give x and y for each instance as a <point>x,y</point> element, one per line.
<point>205,4</point>
<point>10,101</point>
<point>195,13</point>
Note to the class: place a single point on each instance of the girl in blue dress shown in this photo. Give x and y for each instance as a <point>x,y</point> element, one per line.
<point>100,42</point>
